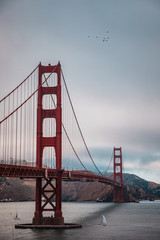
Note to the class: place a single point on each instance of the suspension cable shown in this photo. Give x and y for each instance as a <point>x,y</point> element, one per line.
<point>109,164</point>
<point>29,96</point>
<point>67,133</point>
<point>19,84</point>
<point>78,124</point>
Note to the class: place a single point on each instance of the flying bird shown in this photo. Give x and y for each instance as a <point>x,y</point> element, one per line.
<point>104,39</point>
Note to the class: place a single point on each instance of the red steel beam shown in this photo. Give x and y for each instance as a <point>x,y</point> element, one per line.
<point>34,172</point>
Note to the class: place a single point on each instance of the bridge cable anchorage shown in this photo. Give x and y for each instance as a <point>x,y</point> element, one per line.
<point>28,97</point>
<point>19,85</point>
<point>68,135</point>
<point>78,124</point>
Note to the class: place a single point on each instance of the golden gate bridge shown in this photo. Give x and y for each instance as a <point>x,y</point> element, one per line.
<point>40,137</point>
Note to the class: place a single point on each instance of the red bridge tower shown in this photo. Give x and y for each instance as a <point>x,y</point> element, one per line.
<point>43,142</point>
<point>118,177</point>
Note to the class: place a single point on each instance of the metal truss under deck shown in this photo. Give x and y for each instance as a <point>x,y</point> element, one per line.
<point>33,172</point>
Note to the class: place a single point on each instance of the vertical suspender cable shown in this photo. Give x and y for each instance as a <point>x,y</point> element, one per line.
<point>67,134</point>
<point>34,109</point>
<point>4,132</point>
<point>16,131</point>
<point>28,116</point>
<point>24,124</point>
<point>8,144</point>
<point>79,125</point>
<point>31,122</point>
<point>11,130</point>
<point>21,129</point>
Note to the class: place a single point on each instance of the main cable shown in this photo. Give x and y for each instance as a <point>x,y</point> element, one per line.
<point>109,164</point>
<point>29,96</point>
<point>19,84</point>
<point>78,124</point>
<point>67,133</point>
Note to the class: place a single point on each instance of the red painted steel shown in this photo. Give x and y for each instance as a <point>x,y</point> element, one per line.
<point>32,172</point>
<point>118,177</point>
<point>50,189</point>
<point>55,142</point>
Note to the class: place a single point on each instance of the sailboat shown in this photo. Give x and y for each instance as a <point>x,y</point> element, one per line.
<point>104,221</point>
<point>17,216</point>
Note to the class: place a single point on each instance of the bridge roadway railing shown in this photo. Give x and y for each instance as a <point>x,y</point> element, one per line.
<point>34,172</point>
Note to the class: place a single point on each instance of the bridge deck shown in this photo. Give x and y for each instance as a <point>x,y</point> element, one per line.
<point>33,172</point>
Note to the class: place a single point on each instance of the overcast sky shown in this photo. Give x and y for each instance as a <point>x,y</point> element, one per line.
<point>110,55</point>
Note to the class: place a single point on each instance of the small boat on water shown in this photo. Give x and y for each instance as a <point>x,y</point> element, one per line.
<point>17,216</point>
<point>104,221</point>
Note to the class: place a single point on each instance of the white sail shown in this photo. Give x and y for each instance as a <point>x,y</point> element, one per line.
<point>17,216</point>
<point>104,221</point>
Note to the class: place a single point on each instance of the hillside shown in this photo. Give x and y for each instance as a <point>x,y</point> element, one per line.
<point>16,189</point>
<point>136,189</point>
<point>140,188</point>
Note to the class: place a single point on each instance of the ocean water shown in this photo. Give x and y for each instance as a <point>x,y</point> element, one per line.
<point>137,221</point>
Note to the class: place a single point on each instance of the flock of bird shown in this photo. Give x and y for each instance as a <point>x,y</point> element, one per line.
<point>103,39</point>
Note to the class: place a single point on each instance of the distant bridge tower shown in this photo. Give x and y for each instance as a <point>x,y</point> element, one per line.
<point>118,177</point>
<point>42,142</point>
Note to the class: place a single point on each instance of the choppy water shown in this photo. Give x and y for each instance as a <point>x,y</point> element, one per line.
<point>124,221</point>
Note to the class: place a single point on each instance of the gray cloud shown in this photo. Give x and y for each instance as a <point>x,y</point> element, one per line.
<point>115,87</point>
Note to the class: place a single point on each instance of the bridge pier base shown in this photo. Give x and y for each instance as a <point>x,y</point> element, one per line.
<point>48,221</point>
<point>52,226</point>
<point>118,195</point>
<point>47,192</point>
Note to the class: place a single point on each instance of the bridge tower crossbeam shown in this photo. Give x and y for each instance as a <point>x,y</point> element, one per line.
<point>42,142</point>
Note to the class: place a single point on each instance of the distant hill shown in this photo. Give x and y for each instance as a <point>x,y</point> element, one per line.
<point>140,188</point>
<point>136,189</point>
<point>16,189</point>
